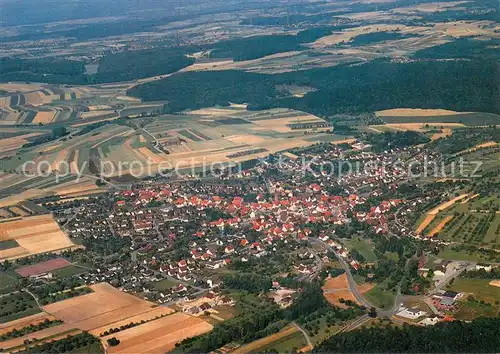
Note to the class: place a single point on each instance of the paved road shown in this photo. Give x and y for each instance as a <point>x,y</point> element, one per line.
<point>354,288</point>
<point>452,275</point>
<point>352,283</point>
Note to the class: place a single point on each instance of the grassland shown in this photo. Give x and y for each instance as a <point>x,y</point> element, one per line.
<point>380,297</point>
<point>480,288</point>
<point>16,306</point>
<point>438,117</point>
<point>288,339</point>
<point>471,221</point>
<point>363,247</point>
<point>164,284</point>
<point>68,271</point>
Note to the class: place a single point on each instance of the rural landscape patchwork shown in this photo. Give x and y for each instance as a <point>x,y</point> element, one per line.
<point>249,176</point>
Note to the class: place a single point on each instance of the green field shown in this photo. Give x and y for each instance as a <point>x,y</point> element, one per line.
<point>68,271</point>
<point>463,255</point>
<point>7,283</point>
<point>164,284</point>
<point>469,310</point>
<point>15,306</point>
<point>479,287</point>
<point>363,247</point>
<point>290,343</point>
<point>5,245</point>
<point>380,297</point>
<point>466,119</point>
<point>473,222</point>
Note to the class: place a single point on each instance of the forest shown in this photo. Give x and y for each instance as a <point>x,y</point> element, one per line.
<point>259,46</point>
<point>375,37</point>
<point>465,48</point>
<point>79,343</point>
<point>380,84</point>
<point>390,140</point>
<point>124,66</point>
<point>478,336</point>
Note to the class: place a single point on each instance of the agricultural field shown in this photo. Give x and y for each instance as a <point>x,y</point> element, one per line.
<point>159,336</point>
<point>288,339</point>
<point>337,288</point>
<point>484,300</point>
<point>363,247</point>
<point>33,235</point>
<point>152,328</point>
<point>431,215</point>
<point>229,134</point>
<point>471,221</point>
<point>42,267</point>
<point>418,118</point>
<point>16,306</point>
<point>380,297</point>
<point>481,288</point>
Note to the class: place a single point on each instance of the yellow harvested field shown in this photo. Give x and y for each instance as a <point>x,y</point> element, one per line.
<point>445,132</point>
<point>99,107</point>
<point>20,87</point>
<point>151,156</point>
<point>16,141</point>
<point>428,219</point>
<point>34,98</point>
<point>215,111</point>
<point>105,306</point>
<point>70,188</point>
<point>448,204</point>
<point>93,114</point>
<point>480,146</point>
<point>146,316</point>
<point>60,157</point>
<point>344,141</point>
<point>416,112</point>
<point>280,124</point>
<point>159,336</point>
<point>245,139</point>
<point>23,322</point>
<point>35,234</point>
<point>495,283</point>
<point>432,214</point>
<point>440,226</point>
<point>348,34</point>
<point>55,331</point>
<point>338,288</point>
<point>431,7</point>
<point>18,211</point>
<point>257,345</point>
<point>44,117</point>
<point>213,65</point>
<point>460,29</point>
<point>128,99</point>
<point>17,198</point>
<point>74,164</point>
<point>76,125</point>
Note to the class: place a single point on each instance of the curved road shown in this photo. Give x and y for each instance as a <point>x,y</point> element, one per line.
<point>354,288</point>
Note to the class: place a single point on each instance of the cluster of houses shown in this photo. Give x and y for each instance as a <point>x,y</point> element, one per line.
<point>218,222</point>
<point>207,303</point>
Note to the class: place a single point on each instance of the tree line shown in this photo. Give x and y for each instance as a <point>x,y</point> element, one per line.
<point>377,85</point>
<point>479,336</point>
